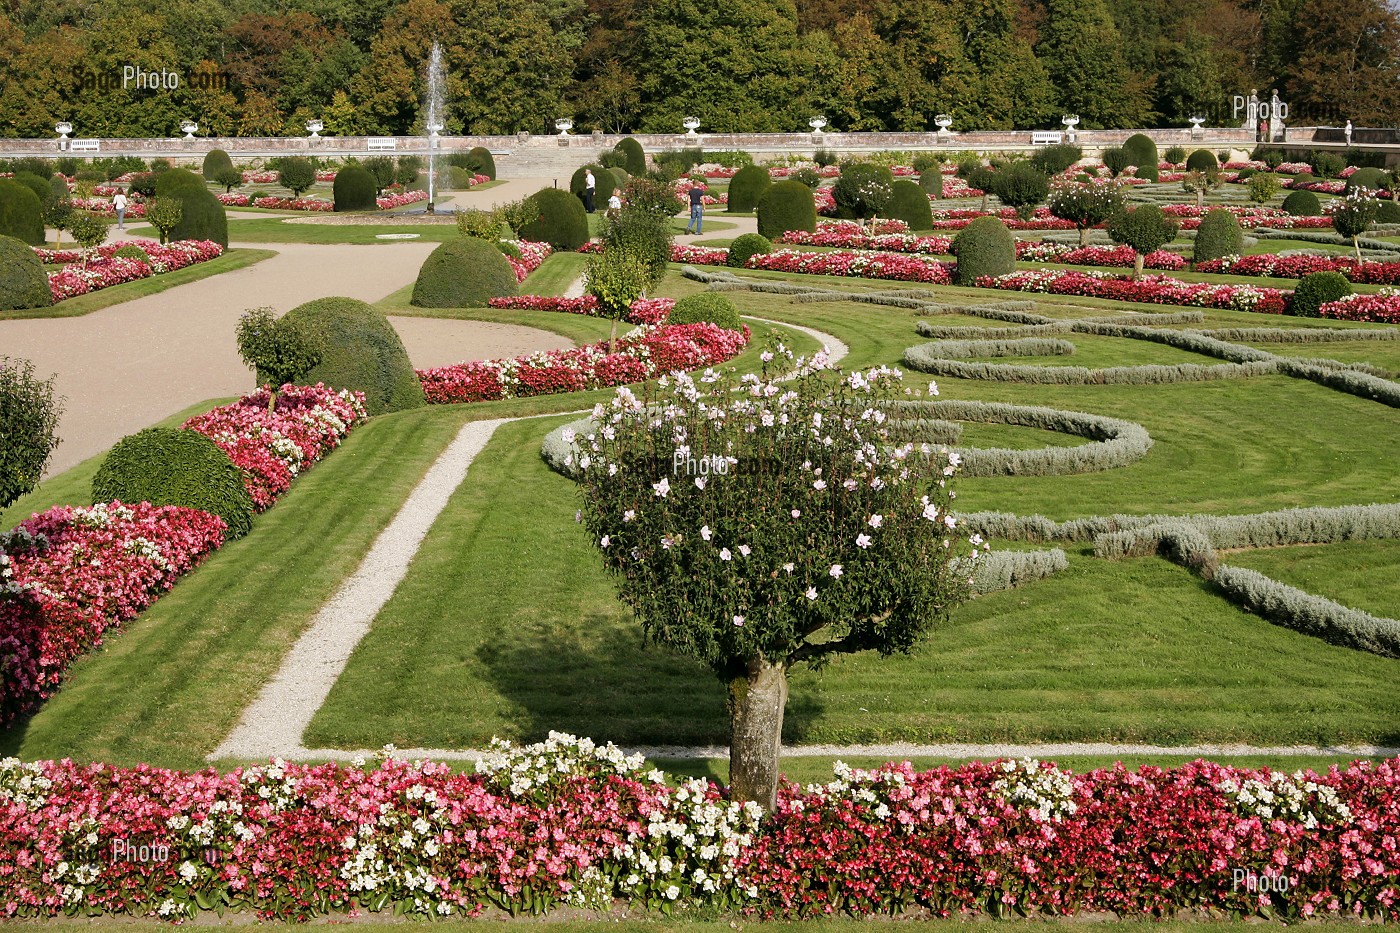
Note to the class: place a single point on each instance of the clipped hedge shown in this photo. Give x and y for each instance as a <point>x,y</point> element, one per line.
<point>1373,178</point>
<point>909,203</point>
<point>173,466</point>
<point>355,189</point>
<point>785,206</point>
<point>463,273</point>
<point>931,181</point>
<point>635,155</point>
<point>558,219</point>
<point>216,161</point>
<point>1142,152</point>
<point>22,213</point>
<point>1005,570</point>
<point>1302,204</point>
<point>1312,615</point>
<point>601,177</point>
<point>746,246</point>
<point>23,282</point>
<point>1315,290</point>
<point>482,162</point>
<point>706,307</point>
<point>202,217</point>
<point>984,247</point>
<point>1019,346</point>
<point>362,352</point>
<point>1218,235</point>
<point>747,188</point>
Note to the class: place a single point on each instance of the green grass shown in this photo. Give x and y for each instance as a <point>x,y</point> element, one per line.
<point>127,291</point>
<point>1362,574</point>
<point>282,230</point>
<point>555,274</point>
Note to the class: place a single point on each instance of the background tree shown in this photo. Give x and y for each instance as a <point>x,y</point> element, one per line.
<point>1082,51</point>
<point>1086,204</point>
<point>1145,229</point>
<point>28,419</point>
<point>282,349</point>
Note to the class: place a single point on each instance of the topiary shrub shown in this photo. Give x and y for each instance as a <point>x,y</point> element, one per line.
<point>482,162</point>
<point>1219,235</point>
<point>1116,159</point>
<point>984,247</point>
<point>173,466</point>
<point>360,351</point>
<point>747,187</point>
<point>463,274</point>
<point>557,218</point>
<point>58,190</point>
<point>1202,160</point>
<point>40,187</point>
<point>132,251</point>
<point>1021,186</point>
<point>931,181</point>
<point>23,282</point>
<point>644,235</point>
<point>1372,178</point>
<point>600,178</point>
<point>457,178</point>
<point>1303,204</point>
<point>910,204</point>
<point>619,179</point>
<point>1142,152</point>
<point>1052,160</point>
<point>1145,228</point>
<point>786,205</point>
<point>636,157</point>
<point>706,307</point>
<point>1328,164</point>
<point>1175,155</point>
<point>1315,290</point>
<point>746,246</point>
<point>22,213</point>
<point>297,173</point>
<point>202,217</point>
<point>355,189</point>
<point>1389,213</point>
<point>216,161</point>
<point>863,189</point>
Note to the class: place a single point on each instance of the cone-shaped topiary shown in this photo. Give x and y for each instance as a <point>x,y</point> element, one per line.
<point>360,351</point>
<point>636,163</point>
<point>910,204</point>
<point>1219,235</point>
<point>746,188</point>
<point>40,186</point>
<point>216,161</point>
<point>1202,160</point>
<point>23,282</point>
<point>463,273</point>
<point>984,247</point>
<point>1142,152</point>
<point>786,205</point>
<point>202,217</point>
<point>173,466</point>
<point>21,213</point>
<point>1315,290</point>
<point>558,219</point>
<point>746,246</point>
<point>355,189</point>
<point>706,307</point>
<point>1303,204</point>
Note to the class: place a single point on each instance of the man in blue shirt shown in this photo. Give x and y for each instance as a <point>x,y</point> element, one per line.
<point>697,208</point>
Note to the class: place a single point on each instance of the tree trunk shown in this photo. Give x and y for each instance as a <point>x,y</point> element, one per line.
<point>612,336</point>
<point>757,700</point>
<point>1356,242</point>
<point>1083,237</point>
<point>1200,199</point>
<point>1137,264</point>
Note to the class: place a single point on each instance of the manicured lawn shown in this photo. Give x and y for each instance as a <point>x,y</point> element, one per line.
<point>282,230</point>
<point>1362,574</point>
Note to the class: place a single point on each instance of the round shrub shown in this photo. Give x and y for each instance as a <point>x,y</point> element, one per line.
<point>1315,290</point>
<point>806,176</point>
<point>40,186</point>
<point>1372,178</point>
<point>58,190</point>
<point>132,251</point>
<point>984,247</point>
<point>910,204</point>
<point>636,157</point>
<point>23,282</point>
<point>143,184</point>
<point>173,466</point>
<point>747,187</point>
<point>216,161</point>
<point>360,351</point>
<point>1303,179</point>
<point>1142,152</point>
<point>202,217</point>
<point>1202,160</point>
<point>558,219</point>
<point>619,179</point>
<point>1389,213</point>
<point>600,178</point>
<point>706,307</point>
<point>1303,204</point>
<point>463,274</point>
<point>355,189</point>
<point>746,246</point>
<point>1116,159</point>
<point>458,178</point>
<point>1219,235</point>
<point>1052,160</point>
<point>786,205</point>
<point>482,162</point>
<point>21,213</point>
<point>863,189</point>
<point>931,181</point>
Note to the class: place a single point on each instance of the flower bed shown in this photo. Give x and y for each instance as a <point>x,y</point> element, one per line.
<point>70,574</point>
<point>1148,289</point>
<point>1383,308</point>
<point>399,199</point>
<point>531,256</point>
<point>385,202</point>
<point>272,448</point>
<point>643,311</point>
<point>1319,187</point>
<point>1120,256</point>
<point>104,206</point>
<point>640,355</point>
<point>262,177</point>
<point>858,264</point>
<point>113,270</point>
<point>1268,265</point>
<point>568,823</point>
<point>1249,217</point>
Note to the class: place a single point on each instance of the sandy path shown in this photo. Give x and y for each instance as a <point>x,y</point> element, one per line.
<point>435,342</point>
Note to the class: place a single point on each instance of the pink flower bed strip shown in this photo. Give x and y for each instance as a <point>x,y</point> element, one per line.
<point>643,311</point>
<point>1148,289</point>
<point>1268,265</point>
<point>107,269</point>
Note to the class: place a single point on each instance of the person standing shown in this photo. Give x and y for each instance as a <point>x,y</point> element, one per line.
<point>697,208</point>
<point>589,188</point>
<point>615,203</point>
<point>1348,132</point>
<point>119,205</point>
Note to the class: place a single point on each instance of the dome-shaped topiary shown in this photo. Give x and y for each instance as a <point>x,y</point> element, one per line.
<point>931,181</point>
<point>910,204</point>
<point>1389,213</point>
<point>482,162</point>
<point>1218,235</point>
<point>746,246</point>
<point>636,156</point>
<point>1202,160</point>
<point>1142,152</point>
<point>1303,204</point>
<point>21,213</point>
<point>984,247</point>
<point>558,219</point>
<point>463,273</point>
<point>355,189</point>
<point>1373,178</point>
<point>23,282</point>
<point>706,307</point>
<point>786,205</point>
<point>216,161</point>
<point>361,351</point>
<point>173,466</point>
<point>202,217</point>
<point>746,188</point>
<point>132,251</point>
<point>40,187</point>
<point>1315,290</point>
<point>619,178</point>
<point>600,178</point>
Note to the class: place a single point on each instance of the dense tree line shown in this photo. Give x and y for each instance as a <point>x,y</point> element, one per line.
<point>260,67</point>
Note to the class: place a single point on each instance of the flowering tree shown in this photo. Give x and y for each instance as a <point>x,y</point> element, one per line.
<point>775,526</point>
<point>1354,213</point>
<point>1200,183</point>
<point>1086,204</point>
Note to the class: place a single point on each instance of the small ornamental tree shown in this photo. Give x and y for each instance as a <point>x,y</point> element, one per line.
<point>230,178</point>
<point>283,349</point>
<point>296,173</point>
<point>1145,229</point>
<point>1116,160</point>
<point>90,230</point>
<point>1022,187</point>
<point>1352,214</point>
<point>28,418</point>
<point>643,234</point>
<point>164,214</point>
<point>1086,204</point>
<point>616,278</point>
<point>864,189</point>
<point>1263,186</point>
<point>756,532</point>
<point>58,215</point>
<point>981,177</point>
<point>1200,182</point>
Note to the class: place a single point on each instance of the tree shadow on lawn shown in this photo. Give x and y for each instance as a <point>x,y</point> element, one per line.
<point>600,680</point>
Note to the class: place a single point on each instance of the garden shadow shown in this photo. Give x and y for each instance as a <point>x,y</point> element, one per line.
<point>600,680</point>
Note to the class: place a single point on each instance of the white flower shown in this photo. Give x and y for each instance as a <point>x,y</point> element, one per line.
<point>724,553</point>
<point>739,621</point>
<point>863,541</point>
<point>932,387</point>
<point>836,570</point>
<point>699,482</point>
<point>605,540</point>
<point>662,488</point>
<point>629,515</point>
<point>788,566</point>
<point>744,550</point>
<point>811,592</point>
<point>876,521</point>
<point>819,485</point>
<point>705,532</point>
<point>796,513</point>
